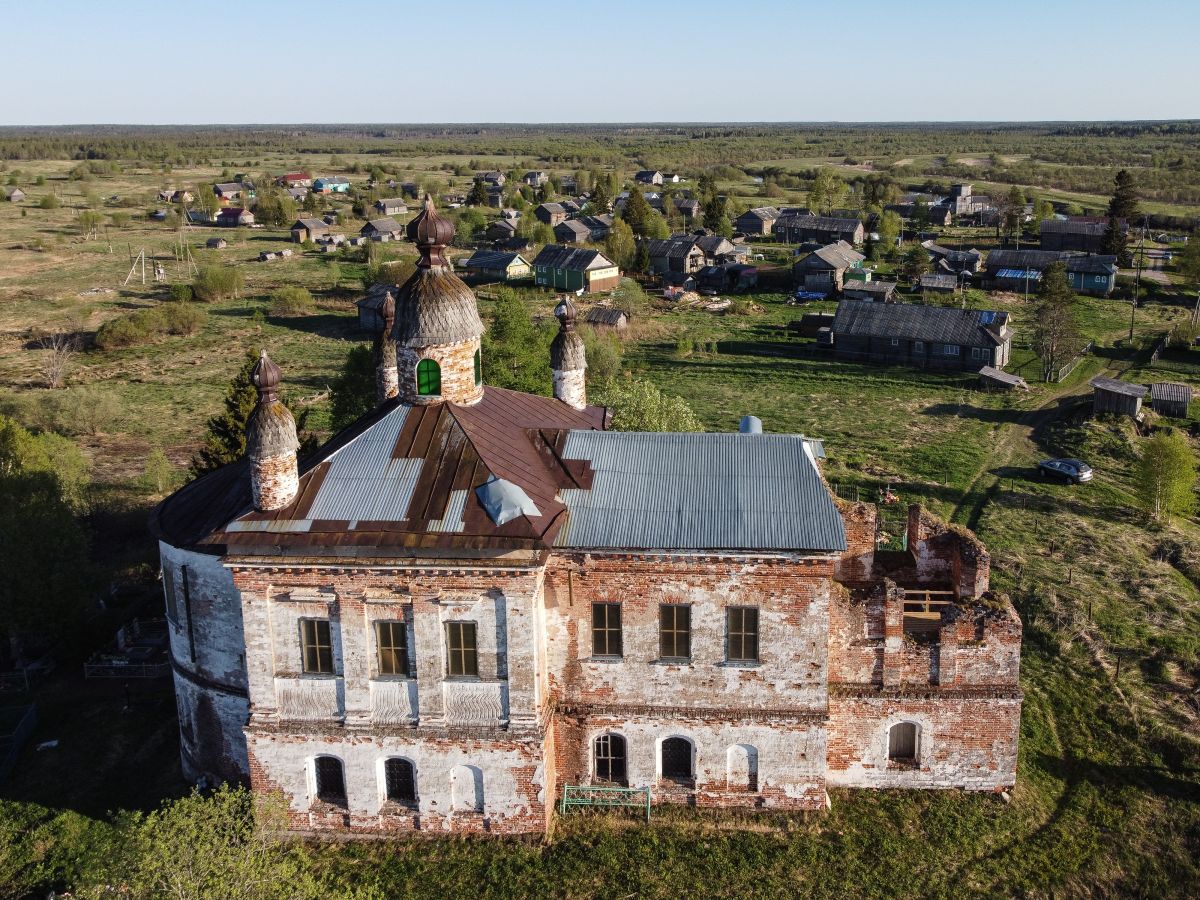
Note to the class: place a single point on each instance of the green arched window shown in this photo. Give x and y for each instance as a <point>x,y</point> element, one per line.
<point>429,378</point>
<point>478,368</point>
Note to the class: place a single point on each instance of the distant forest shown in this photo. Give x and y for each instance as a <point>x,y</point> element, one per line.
<point>1078,157</point>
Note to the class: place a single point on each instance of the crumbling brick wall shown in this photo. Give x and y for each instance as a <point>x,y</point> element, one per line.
<point>947,553</point>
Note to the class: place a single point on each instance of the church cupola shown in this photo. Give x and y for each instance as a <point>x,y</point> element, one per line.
<point>437,326</point>
<point>271,441</point>
<point>386,380</point>
<point>568,359</point>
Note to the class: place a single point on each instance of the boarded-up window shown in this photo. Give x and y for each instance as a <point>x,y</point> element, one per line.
<point>902,742</point>
<point>741,767</point>
<point>466,789</point>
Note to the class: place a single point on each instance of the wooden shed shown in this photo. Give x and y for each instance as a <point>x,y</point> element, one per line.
<point>607,317</point>
<point>1116,397</point>
<point>1170,398</point>
<point>993,379</point>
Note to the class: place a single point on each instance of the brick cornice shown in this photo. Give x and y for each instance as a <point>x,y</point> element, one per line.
<point>792,714</point>
<point>862,691</point>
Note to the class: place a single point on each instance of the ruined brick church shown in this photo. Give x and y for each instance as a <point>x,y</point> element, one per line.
<point>473,597</point>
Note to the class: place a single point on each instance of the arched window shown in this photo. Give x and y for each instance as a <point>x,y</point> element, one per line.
<point>478,369</point>
<point>610,758</point>
<point>429,378</point>
<point>400,780</point>
<point>677,759</point>
<point>902,742</point>
<point>331,781</point>
<point>466,789</point>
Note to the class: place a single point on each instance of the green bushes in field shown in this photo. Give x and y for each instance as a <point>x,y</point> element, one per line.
<point>291,301</point>
<point>146,325</point>
<point>217,283</point>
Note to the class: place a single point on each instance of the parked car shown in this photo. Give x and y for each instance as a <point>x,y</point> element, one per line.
<point>1071,470</point>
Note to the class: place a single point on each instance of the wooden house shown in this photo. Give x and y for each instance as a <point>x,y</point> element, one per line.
<point>648,176</point>
<point>386,228</point>
<point>571,268</point>
<point>298,194</point>
<point>14,194</point>
<point>599,226</point>
<point>535,179</point>
<point>572,231</point>
<point>182,196</point>
<point>727,277</point>
<point>370,317</point>
<point>879,291</point>
<point>819,229</point>
<point>500,230</point>
<point>719,250</point>
<point>550,213</point>
<point>234,216</point>
<point>1083,234</point>
<point>216,243</point>
<point>493,178</point>
<point>334,185</point>
<point>675,255</point>
<point>228,191</point>
<point>938,283</point>
<point>824,270</point>
<point>294,180</point>
<point>601,317</point>
<point>498,265</point>
<point>953,262</point>
<point>308,230</point>
<point>1111,396</point>
<point>1170,398</point>
<point>928,337</point>
<point>1016,270</point>
<point>688,208</point>
<point>758,221</point>
<point>393,206</point>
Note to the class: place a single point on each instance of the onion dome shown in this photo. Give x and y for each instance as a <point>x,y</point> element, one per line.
<point>270,430</point>
<point>567,350</point>
<point>431,233</point>
<point>434,307</point>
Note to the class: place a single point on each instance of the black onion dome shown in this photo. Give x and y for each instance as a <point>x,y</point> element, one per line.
<point>435,307</point>
<point>270,430</point>
<point>430,232</point>
<point>567,352</point>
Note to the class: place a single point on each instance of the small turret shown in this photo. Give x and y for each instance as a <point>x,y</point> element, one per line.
<point>387,383</point>
<point>568,359</point>
<point>271,442</point>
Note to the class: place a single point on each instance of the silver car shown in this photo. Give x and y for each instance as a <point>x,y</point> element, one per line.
<point>1074,471</point>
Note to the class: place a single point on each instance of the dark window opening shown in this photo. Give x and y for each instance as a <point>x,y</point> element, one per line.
<point>606,629</point>
<point>331,782</point>
<point>316,646</point>
<point>392,638</point>
<point>610,758</point>
<point>401,780</point>
<point>478,369</point>
<point>675,632</point>
<point>676,759</point>
<point>461,657</point>
<point>902,742</point>
<point>742,627</point>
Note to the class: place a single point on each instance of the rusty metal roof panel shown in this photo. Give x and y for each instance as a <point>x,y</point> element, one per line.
<point>699,491</point>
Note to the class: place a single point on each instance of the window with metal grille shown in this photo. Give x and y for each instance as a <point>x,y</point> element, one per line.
<point>400,780</point>
<point>478,368</point>
<point>674,631</point>
<point>610,758</point>
<point>392,639</point>
<point>461,658</point>
<point>316,647</point>
<point>676,759</point>
<point>902,742</point>
<point>331,782</point>
<point>606,629</point>
<point>429,378</point>
<point>741,625</point>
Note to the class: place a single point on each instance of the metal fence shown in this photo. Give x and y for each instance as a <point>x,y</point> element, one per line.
<point>16,726</point>
<point>590,795</point>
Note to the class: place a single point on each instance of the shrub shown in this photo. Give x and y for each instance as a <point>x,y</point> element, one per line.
<point>49,201</point>
<point>147,324</point>
<point>88,409</point>
<point>123,332</point>
<point>291,301</point>
<point>217,283</point>
<point>182,318</point>
<point>181,293</point>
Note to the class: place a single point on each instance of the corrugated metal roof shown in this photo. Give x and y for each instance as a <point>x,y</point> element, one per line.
<point>699,491</point>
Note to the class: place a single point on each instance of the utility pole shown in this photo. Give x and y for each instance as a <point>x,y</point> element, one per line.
<point>1137,281</point>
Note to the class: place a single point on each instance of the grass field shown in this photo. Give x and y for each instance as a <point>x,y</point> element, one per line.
<point>1108,796</point>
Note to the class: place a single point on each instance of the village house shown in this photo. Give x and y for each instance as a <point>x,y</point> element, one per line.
<point>607,317</point>
<point>758,221</point>
<point>648,176</point>
<point>510,213</point>
<point>1114,397</point>
<point>1082,234</point>
<point>228,191</point>
<point>1021,270</point>
<point>688,208</point>
<point>938,283</point>
<point>298,194</point>
<point>574,269</point>
<point>817,229</point>
<point>498,265</point>
<point>953,262</point>
<point>500,230</point>
<point>14,194</point>
<point>372,306</point>
<point>308,230</point>
<point>671,178</point>
<point>394,206</point>
<point>719,250</point>
<point>182,196</point>
<point>473,598</point>
<point>679,255</point>
<point>495,179</point>
<point>216,243</point>
<point>387,229</point>
<point>535,179</point>
<point>572,231</point>
<point>333,185</point>
<point>598,226</point>
<point>550,213</point>
<point>294,180</point>
<point>734,277</point>
<point>233,216</point>
<point>824,270</point>
<point>928,337</point>
<point>869,289</point>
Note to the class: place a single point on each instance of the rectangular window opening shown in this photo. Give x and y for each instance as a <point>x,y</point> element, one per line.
<point>462,660</point>
<point>316,647</point>
<point>606,629</point>
<point>742,629</point>
<point>392,640</point>
<point>675,631</point>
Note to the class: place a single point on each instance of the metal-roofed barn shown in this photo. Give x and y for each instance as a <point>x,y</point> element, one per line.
<point>1170,398</point>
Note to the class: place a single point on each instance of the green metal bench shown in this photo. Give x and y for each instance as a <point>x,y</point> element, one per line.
<point>604,795</point>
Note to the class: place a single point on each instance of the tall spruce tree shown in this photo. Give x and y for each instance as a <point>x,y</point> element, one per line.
<point>637,211</point>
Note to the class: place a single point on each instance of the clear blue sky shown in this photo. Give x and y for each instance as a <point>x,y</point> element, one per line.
<point>269,61</point>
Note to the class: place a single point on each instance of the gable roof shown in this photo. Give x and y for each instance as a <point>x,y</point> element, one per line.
<point>574,226</point>
<point>493,259</point>
<point>838,255</point>
<point>1117,386</point>
<point>1075,261</point>
<point>936,324</point>
<point>310,224</point>
<point>605,315</point>
<point>386,225</point>
<point>552,208</point>
<point>672,248</point>
<point>761,212</point>
<point>1073,226</point>
<point>819,223</point>
<point>580,259</point>
<point>1171,391</point>
<point>228,187</point>
<point>698,492</point>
